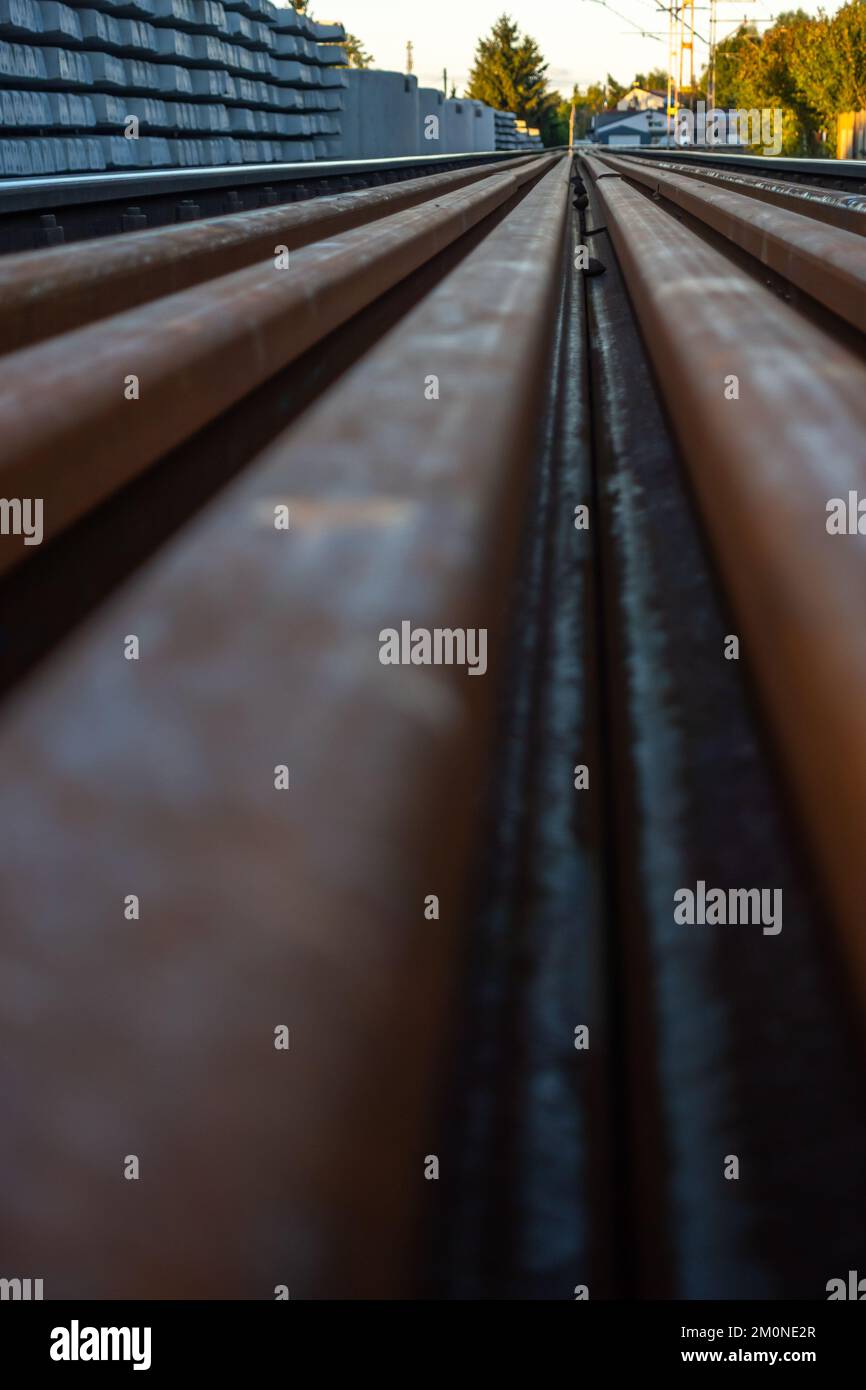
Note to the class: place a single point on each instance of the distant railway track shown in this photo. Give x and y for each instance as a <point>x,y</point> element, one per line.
<point>263,439</point>
<point>841,174</point>
<point>51,210</point>
<point>841,206</point>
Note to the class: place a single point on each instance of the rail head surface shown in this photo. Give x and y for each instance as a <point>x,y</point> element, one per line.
<point>847,171</point>
<point>47,292</point>
<point>770,414</point>
<point>828,263</point>
<point>294,765</point>
<point>302,906</point>
<point>831,205</point>
<point>158,372</point>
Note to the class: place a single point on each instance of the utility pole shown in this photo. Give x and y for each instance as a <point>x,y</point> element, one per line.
<point>711,71</point>
<point>681,58</point>
<point>410,50</point>
<point>687,44</point>
<point>571,127</point>
<point>445,82</point>
<point>671,106</point>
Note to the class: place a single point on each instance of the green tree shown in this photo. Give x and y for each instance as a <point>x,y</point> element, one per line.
<point>756,71</point>
<point>613,90</point>
<point>827,63</point>
<point>510,74</point>
<point>554,131</point>
<point>654,81</point>
<point>356,52</point>
<point>813,68</point>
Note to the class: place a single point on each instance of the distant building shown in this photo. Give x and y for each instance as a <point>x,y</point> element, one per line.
<point>629,127</point>
<point>642,99</point>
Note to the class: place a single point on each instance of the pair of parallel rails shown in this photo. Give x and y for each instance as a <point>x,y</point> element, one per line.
<point>418,376</point>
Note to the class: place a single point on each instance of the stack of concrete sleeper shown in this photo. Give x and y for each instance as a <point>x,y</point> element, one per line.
<point>91,85</point>
<point>506,130</point>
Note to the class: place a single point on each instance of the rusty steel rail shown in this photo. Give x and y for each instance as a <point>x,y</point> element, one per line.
<point>430,395</point>
<point>45,293</point>
<point>845,174</point>
<point>248,1154</point>
<point>765,466</point>
<point>826,262</point>
<point>192,354</point>
<point>740,1043</point>
<point>839,209</point>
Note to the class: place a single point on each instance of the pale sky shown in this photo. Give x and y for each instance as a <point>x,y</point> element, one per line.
<point>581,39</point>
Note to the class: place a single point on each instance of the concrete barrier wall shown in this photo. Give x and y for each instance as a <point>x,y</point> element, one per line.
<point>431,133</point>
<point>484,126</point>
<point>128,84</point>
<point>386,114</point>
<point>459,126</point>
<point>380,116</point>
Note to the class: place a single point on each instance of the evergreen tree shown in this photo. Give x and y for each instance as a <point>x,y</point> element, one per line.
<point>509,73</point>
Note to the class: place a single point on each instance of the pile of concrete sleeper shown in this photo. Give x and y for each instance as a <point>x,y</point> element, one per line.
<point>92,85</point>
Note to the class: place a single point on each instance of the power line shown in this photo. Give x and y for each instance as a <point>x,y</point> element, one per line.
<point>650,33</point>
<point>676,9</point>
<point>643,32</point>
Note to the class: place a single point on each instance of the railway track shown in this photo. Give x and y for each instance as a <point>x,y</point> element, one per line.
<point>262,441</point>
<point>844,175</point>
<point>54,210</point>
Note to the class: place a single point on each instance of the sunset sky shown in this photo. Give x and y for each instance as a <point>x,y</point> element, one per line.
<point>581,39</point>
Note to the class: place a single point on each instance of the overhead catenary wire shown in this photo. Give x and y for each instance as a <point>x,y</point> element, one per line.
<point>645,33</point>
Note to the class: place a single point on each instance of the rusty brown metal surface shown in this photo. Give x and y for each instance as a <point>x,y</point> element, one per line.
<point>736,1042</point>
<point>826,262</point>
<point>764,467</point>
<point>192,355</point>
<point>261,907</point>
<point>830,205</point>
<point>482,390</point>
<point>45,293</point>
